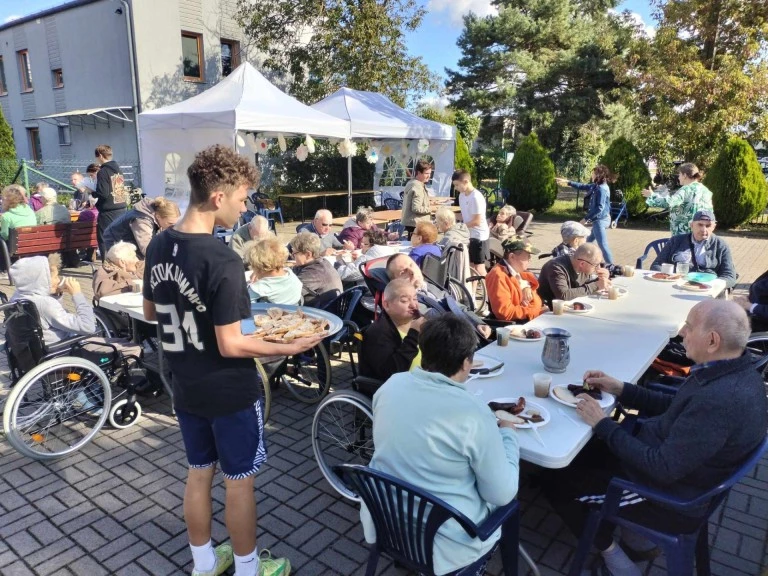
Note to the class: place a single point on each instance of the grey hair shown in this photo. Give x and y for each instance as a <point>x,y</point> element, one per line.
<point>729,320</point>
<point>445,215</point>
<point>307,242</point>
<point>122,251</point>
<point>588,250</point>
<point>260,226</point>
<point>322,212</point>
<point>363,214</point>
<point>49,195</point>
<point>395,287</point>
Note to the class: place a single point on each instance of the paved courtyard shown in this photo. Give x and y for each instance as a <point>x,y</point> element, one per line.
<point>115,506</point>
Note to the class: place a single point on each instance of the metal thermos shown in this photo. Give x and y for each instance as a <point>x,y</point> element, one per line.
<point>556,354</point>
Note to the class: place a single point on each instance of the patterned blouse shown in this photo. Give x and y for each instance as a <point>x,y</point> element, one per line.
<point>683,205</point>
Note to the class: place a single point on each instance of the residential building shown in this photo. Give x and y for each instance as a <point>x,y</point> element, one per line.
<point>66,83</point>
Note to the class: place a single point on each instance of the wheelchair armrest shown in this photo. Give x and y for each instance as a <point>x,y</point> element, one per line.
<point>66,345</point>
<point>497,519</point>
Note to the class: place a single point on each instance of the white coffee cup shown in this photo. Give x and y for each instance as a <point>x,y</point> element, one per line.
<point>541,384</point>
<point>558,307</point>
<point>668,268</point>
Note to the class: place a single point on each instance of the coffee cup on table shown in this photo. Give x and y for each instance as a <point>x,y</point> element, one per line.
<point>627,270</point>
<point>137,285</point>
<point>668,269</point>
<point>613,293</point>
<point>558,307</point>
<point>502,336</point>
<point>683,268</point>
<point>541,384</point>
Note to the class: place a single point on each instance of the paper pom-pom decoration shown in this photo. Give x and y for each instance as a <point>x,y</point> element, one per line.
<point>310,143</point>
<point>240,141</point>
<point>444,147</point>
<point>261,145</point>
<point>386,149</point>
<point>302,152</point>
<point>372,155</point>
<point>423,145</point>
<point>347,148</point>
<point>282,143</point>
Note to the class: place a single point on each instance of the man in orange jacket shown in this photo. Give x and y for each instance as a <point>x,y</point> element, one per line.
<point>511,288</point>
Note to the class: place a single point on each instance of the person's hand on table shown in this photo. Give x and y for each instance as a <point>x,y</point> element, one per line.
<point>506,424</point>
<point>485,330</point>
<point>601,381</point>
<point>348,245</point>
<point>603,282</point>
<point>329,252</point>
<point>589,409</point>
<point>71,286</point>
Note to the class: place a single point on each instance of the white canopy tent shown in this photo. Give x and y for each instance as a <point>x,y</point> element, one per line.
<point>395,133</point>
<point>245,100</point>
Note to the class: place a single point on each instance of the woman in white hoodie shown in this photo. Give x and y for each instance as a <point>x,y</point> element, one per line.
<point>373,245</point>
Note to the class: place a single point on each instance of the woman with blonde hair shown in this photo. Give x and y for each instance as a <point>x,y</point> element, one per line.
<point>16,211</point>
<point>692,197</point>
<point>271,281</point>
<point>139,225</point>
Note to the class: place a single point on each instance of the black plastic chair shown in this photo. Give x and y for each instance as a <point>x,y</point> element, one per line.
<point>407,519</point>
<point>657,246</point>
<point>681,549</point>
<point>344,306</point>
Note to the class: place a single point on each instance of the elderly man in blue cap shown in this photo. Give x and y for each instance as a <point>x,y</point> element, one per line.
<point>701,249</point>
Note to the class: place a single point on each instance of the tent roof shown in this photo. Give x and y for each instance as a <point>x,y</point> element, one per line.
<point>375,116</point>
<point>244,100</point>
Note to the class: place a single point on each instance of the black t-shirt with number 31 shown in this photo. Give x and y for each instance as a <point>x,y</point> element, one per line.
<point>196,282</point>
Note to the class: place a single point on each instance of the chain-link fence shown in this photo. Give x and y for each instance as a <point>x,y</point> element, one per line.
<point>57,172</point>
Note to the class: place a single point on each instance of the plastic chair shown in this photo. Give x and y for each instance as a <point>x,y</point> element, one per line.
<point>344,306</point>
<point>527,218</point>
<point>304,226</point>
<point>407,519</point>
<point>656,245</point>
<point>393,204</point>
<point>260,201</point>
<point>680,549</point>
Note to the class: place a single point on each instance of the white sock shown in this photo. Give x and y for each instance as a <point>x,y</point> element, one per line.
<point>637,542</point>
<point>247,565</point>
<point>618,563</point>
<point>203,556</point>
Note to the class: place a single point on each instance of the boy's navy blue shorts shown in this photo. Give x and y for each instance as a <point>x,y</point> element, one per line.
<point>236,441</point>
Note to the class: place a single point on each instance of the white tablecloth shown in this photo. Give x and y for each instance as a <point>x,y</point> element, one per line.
<point>614,348</point>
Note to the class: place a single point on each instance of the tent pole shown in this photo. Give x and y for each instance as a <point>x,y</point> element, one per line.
<point>349,183</point>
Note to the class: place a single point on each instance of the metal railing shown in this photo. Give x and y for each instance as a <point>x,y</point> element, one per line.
<point>56,172</point>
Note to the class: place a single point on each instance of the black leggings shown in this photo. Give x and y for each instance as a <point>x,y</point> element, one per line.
<point>102,223</point>
<point>589,475</point>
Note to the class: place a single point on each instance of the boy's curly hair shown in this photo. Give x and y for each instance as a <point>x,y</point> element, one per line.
<point>219,168</point>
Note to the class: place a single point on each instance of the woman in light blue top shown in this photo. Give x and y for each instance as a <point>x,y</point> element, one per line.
<point>599,212</point>
<point>271,281</point>
<point>429,431</point>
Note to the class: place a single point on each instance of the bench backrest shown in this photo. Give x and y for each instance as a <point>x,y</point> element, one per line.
<point>32,240</point>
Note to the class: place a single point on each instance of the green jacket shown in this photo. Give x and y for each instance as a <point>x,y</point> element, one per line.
<point>21,215</point>
<point>682,205</point>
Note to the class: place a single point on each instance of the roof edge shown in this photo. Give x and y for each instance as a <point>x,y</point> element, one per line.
<point>47,12</point>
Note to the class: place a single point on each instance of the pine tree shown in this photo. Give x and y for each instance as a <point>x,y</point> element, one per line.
<point>625,160</point>
<point>530,177</point>
<point>8,164</point>
<point>739,189</point>
<point>462,159</point>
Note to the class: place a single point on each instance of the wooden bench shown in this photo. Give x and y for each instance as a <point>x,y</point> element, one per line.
<point>47,239</point>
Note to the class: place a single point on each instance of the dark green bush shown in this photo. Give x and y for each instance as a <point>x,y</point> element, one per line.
<point>462,160</point>
<point>625,160</point>
<point>738,186</point>
<point>8,164</point>
<point>530,177</point>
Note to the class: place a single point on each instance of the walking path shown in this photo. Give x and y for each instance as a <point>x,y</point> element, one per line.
<point>115,506</point>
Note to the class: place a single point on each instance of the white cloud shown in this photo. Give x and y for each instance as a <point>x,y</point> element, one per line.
<point>11,18</point>
<point>638,21</point>
<point>436,101</point>
<point>456,9</point>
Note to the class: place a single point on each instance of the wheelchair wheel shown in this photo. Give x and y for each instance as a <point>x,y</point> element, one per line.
<point>460,293</point>
<point>308,375</point>
<point>56,408</point>
<point>121,415</point>
<point>614,223</point>
<point>104,327</point>
<point>265,389</point>
<point>481,295</point>
<point>342,433</point>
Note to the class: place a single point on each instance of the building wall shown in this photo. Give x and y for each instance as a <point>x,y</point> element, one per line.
<point>93,78</point>
<point>90,44</point>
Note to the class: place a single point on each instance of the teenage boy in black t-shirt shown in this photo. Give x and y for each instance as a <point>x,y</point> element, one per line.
<point>195,288</point>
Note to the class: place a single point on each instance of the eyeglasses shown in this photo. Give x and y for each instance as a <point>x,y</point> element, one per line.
<point>594,266</point>
<point>326,223</point>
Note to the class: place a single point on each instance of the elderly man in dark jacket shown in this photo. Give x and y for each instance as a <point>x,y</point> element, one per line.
<point>756,305</point>
<point>568,277</point>
<point>691,443</point>
<point>704,251</point>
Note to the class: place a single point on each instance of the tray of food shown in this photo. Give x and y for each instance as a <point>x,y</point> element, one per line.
<point>282,324</point>
<point>520,411</point>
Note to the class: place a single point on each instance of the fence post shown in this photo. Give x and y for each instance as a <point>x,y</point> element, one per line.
<point>26,175</point>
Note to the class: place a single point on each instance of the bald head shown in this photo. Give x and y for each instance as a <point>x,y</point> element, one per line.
<point>589,251</point>
<point>728,320</point>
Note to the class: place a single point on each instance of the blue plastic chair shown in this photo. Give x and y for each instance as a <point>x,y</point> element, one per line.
<point>259,201</point>
<point>656,245</point>
<point>680,549</point>
<point>407,519</point>
<point>344,306</point>
<point>393,204</point>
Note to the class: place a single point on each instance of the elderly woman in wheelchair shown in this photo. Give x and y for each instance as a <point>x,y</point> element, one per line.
<point>63,376</point>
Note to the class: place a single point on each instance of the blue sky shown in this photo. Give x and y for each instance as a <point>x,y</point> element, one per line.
<point>435,41</point>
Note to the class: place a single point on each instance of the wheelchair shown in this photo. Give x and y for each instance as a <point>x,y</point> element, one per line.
<point>62,394</point>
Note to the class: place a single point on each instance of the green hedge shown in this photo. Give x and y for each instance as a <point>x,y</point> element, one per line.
<point>530,177</point>
<point>625,160</point>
